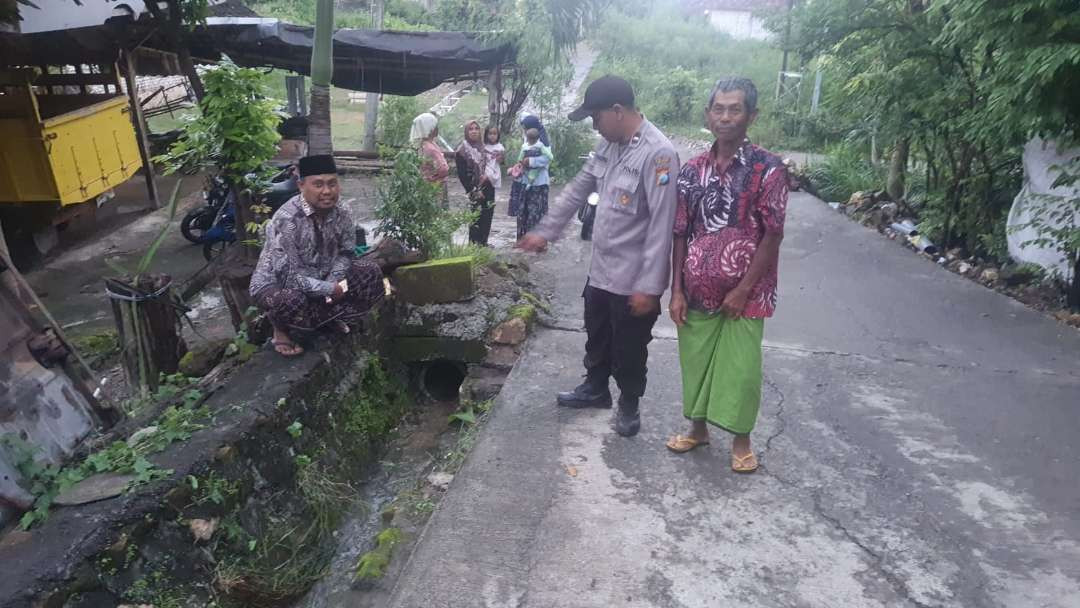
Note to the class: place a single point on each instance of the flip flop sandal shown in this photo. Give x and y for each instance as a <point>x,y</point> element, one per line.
<point>294,348</point>
<point>745,464</point>
<point>682,445</point>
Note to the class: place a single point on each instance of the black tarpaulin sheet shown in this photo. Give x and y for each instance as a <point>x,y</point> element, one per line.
<point>397,63</point>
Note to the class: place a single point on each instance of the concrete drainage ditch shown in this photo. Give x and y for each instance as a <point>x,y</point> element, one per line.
<point>302,481</point>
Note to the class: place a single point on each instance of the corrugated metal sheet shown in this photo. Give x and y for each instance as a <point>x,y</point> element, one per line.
<point>38,405</point>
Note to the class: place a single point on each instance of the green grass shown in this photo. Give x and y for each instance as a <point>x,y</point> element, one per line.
<point>471,107</point>
<point>346,120</point>
<point>167,122</point>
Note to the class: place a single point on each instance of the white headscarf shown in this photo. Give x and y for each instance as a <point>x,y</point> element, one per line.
<point>422,126</point>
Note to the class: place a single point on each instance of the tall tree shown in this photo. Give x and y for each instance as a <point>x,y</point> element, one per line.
<point>967,82</point>
<point>543,33</point>
<point>322,70</point>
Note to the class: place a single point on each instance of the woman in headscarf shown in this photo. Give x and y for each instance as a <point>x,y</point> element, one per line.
<point>531,122</point>
<point>517,187</point>
<point>473,162</point>
<point>434,168</point>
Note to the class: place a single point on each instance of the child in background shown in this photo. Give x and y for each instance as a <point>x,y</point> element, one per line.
<point>498,152</point>
<point>531,172</point>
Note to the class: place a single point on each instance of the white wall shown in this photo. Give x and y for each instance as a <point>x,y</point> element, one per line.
<point>741,25</point>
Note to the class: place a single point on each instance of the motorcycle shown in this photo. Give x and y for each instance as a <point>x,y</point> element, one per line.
<point>214,224</point>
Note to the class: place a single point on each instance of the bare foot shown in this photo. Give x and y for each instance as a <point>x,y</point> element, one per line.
<point>284,345</point>
<point>699,431</point>
<point>288,348</point>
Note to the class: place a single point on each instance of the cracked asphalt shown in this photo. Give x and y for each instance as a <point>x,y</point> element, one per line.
<point>917,439</point>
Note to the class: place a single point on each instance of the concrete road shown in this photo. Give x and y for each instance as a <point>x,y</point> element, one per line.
<point>918,436</point>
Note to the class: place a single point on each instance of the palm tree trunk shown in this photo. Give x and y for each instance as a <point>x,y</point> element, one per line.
<point>319,137</point>
<point>322,69</point>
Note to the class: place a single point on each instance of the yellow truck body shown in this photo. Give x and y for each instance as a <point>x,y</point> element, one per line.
<point>62,148</point>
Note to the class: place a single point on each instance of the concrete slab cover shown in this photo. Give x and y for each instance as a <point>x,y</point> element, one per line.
<point>93,489</point>
<point>437,281</point>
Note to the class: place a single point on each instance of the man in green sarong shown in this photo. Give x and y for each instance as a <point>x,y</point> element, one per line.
<point>728,227</point>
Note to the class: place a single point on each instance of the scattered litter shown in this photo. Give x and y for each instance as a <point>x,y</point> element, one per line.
<point>905,227</point>
<point>922,243</point>
<point>571,470</point>
<point>141,434</point>
<point>835,206</point>
<point>440,480</point>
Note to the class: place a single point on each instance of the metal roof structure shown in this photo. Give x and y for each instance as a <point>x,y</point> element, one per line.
<point>398,63</point>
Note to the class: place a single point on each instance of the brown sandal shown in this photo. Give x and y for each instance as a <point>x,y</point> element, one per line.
<point>682,445</point>
<point>744,464</point>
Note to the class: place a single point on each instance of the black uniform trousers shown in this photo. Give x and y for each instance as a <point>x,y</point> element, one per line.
<point>617,342</point>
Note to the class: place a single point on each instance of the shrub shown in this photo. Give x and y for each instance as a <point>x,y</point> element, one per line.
<point>570,143</point>
<point>409,208</point>
<point>644,48</point>
<point>845,170</point>
<point>677,96</point>
<point>395,120</point>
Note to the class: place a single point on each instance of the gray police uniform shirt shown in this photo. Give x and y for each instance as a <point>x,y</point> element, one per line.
<point>635,216</point>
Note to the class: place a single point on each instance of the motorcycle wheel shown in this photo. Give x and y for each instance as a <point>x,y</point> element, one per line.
<point>196,223</point>
<point>213,250</point>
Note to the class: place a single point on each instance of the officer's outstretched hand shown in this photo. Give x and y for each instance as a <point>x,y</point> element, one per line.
<point>533,242</point>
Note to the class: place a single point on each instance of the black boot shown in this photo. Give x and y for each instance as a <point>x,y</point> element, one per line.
<point>585,395</point>
<point>627,418</point>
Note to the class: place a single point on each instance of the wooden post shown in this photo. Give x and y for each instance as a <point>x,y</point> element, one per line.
<point>235,279</point>
<point>236,271</point>
<point>147,327</point>
<point>141,131</point>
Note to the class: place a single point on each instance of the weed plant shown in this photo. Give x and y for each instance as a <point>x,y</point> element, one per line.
<point>843,171</point>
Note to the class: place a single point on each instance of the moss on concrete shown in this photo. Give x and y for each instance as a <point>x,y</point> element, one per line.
<point>525,312</point>
<point>97,348</point>
<point>535,301</point>
<point>372,565</point>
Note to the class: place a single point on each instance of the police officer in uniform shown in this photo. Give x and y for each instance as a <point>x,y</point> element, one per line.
<point>633,168</point>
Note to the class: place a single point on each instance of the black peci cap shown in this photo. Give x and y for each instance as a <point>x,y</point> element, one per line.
<point>320,164</point>
<point>603,93</point>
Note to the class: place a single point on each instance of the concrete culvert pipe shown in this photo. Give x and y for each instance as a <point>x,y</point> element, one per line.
<point>442,379</point>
